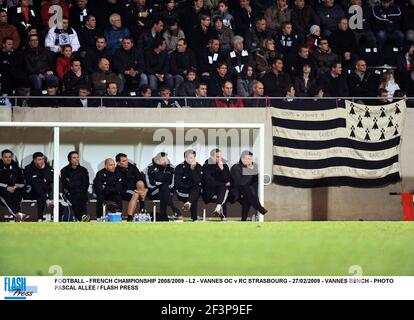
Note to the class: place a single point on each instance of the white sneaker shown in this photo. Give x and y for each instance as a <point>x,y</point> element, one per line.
<point>20,217</point>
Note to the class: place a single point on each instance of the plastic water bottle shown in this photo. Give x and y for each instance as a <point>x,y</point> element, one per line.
<point>135,218</point>
<point>147,217</point>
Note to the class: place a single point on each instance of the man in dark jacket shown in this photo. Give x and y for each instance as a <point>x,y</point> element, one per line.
<point>188,178</point>
<point>362,83</point>
<point>244,17</point>
<point>160,181</point>
<point>75,78</point>
<point>11,185</point>
<point>39,180</point>
<point>133,184</point>
<point>181,60</point>
<point>93,55</point>
<point>276,82</point>
<point>303,17</point>
<point>157,65</point>
<point>334,83</point>
<point>245,182</point>
<point>218,79</point>
<point>75,183</point>
<point>209,59</point>
<point>216,182</point>
<point>24,17</point>
<point>107,186</point>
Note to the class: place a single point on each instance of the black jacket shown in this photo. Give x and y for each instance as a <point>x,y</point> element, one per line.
<point>42,178</point>
<point>125,60</point>
<point>72,82</point>
<point>93,56</point>
<point>106,181</point>
<point>74,181</point>
<point>214,177</point>
<point>180,62</point>
<point>158,175</point>
<point>38,60</point>
<point>130,176</point>
<point>187,178</point>
<point>207,61</point>
<point>367,87</point>
<point>156,63</point>
<point>242,176</point>
<point>276,85</point>
<point>10,175</point>
<point>334,87</point>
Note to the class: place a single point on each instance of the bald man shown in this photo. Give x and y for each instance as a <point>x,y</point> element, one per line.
<point>107,186</point>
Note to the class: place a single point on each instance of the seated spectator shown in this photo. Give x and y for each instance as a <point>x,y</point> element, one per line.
<point>85,100</point>
<point>223,33</point>
<point>227,99</point>
<point>361,82</point>
<point>343,42</point>
<point>172,35</point>
<point>75,78</point>
<point>305,84</point>
<point>46,15</point>
<point>218,79</point>
<point>313,38</point>
<point>240,59</point>
<point>138,16</point>
<point>165,100</point>
<point>114,98</point>
<point>333,84</point>
<point>51,97</point>
<point>12,70</point>
<point>405,66</point>
<point>382,97</point>
<point>201,34</point>
<point>182,60</point>
<point>244,18</point>
<point>157,65</point>
<point>324,57</point>
<point>103,9</point>
<point>115,33</point>
<point>24,17</point>
<point>93,55</point>
<point>386,23</point>
<point>169,12</point>
<point>56,38</point>
<point>78,13</point>
<point>201,94</point>
<point>388,83</point>
<point>277,14</point>
<point>188,87</point>
<point>330,13</point>
<point>287,42</point>
<point>295,65</point>
<point>408,20</point>
<point>189,17</point>
<point>89,33</point>
<point>276,82</point>
<point>128,63</point>
<point>362,29</point>
<point>303,17</point>
<point>102,77</point>
<point>223,12</point>
<point>63,61</point>
<point>107,186</point>
<point>258,95</point>
<point>259,34</point>
<point>208,60</point>
<point>264,57</point>
<point>38,64</point>
<point>147,38</point>
<point>7,30</point>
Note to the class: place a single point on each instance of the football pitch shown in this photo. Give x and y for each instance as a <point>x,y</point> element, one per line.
<point>208,249</point>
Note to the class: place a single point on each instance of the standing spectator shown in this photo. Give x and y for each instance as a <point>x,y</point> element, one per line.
<point>102,77</point>
<point>276,82</point>
<point>46,15</point>
<point>244,18</point>
<point>334,83</point>
<point>361,82</point>
<point>172,35</point>
<point>56,38</point>
<point>8,30</point>
<point>182,60</point>
<point>363,33</point>
<point>24,17</point>
<point>218,79</point>
<point>303,17</point>
<point>223,33</point>
<point>227,99</point>
<point>386,23</point>
<point>324,57</point>
<point>75,78</point>
<point>130,66</point>
<point>330,13</point>
<point>38,64</point>
<point>63,62</point>
<point>39,180</point>
<point>277,14</point>
<point>408,22</point>
<point>157,65</point>
<point>115,33</point>
<point>93,55</point>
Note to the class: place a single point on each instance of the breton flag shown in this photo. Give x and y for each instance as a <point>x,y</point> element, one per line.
<point>328,145</point>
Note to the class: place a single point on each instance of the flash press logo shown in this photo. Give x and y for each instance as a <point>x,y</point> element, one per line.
<point>16,288</point>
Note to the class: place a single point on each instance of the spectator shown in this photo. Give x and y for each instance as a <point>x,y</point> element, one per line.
<point>75,78</point>
<point>201,94</point>
<point>303,17</point>
<point>264,57</point>
<point>24,17</point>
<point>12,71</point>
<point>209,59</point>
<point>228,100</point>
<point>244,18</point>
<point>115,33</point>
<point>189,17</point>
<point>258,34</point>
<point>187,88</point>
<point>169,12</point>
<point>324,57</point>
<point>408,22</point>
<point>165,100</point>
<point>102,77</point>
<point>287,42</point>
<point>405,67</point>
<point>333,83</point>
<point>223,33</point>
<point>93,55</point>
<point>46,15</point>
<point>361,82</point>
<point>84,100</point>
<point>388,83</point>
<point>343,42</point>
<point>313,38</point>
<point>277,14</point>
<point>138,16</point>
<point>218,79</point>
<point>7,30</point>
<point>78,13</point>
<point>306,84</point>
<point>63,62</point>
<point>330,13</point>
<point>51,99</point>
<point>172,35</point>
<point>128,63</point>
<point>38,64</point>
<point>56,38</point>
<point>147,38</point>
<point>386,22</point>
<point>182,60</point>
<point>295,66</point>
<point>257,94</point>
<point>103,9</point>
<point>223,12</point>
<point>276,82</point>
<point>89,33</point>
<point>3,5</point>
<point>382,97</point>
<point>115,99</point>
<point>363,31</point>
<point>157,65</point>
<point>201,34</point>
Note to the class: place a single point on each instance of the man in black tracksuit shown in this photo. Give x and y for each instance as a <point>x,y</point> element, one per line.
<point>133,184</point>
<point>245,181</point>
<point>75,183</point>
<point>11,184</point>
<point>39,180</point>
<point>216,182</point>
<point>107,185</point>
<point>160,181</point>
<point>188,178</point>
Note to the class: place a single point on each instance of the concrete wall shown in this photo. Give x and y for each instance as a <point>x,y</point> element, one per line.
<point>285,203</point>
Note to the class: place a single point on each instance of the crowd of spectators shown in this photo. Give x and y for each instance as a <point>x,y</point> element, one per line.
<point>226,49</point>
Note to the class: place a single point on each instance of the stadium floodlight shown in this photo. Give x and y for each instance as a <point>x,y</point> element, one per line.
<point>56,126</point>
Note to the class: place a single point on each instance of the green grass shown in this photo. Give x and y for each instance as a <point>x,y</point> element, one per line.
<point>210,249</point>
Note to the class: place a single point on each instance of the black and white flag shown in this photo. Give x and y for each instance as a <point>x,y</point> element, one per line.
<point>353,146</point>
